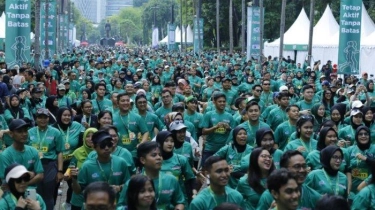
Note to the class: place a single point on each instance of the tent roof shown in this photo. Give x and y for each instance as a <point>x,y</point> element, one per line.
<point>2,25</point>
<point>298,33</point>
<point>368,26</point>
<point>326,27</point>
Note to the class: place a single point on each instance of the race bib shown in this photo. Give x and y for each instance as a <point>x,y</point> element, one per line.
<point>360,173</point>
<point>125,140</point>
<point>220,130</point>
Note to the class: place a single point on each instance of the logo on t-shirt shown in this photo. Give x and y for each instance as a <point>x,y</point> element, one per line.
<point>95,175</point>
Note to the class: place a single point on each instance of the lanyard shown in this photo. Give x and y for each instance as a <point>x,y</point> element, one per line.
<point>103,173</point>
<point>336,191</point>
<point>307,149</point>
<point>251,129</point>
<point>160,186</point>
<point>41,141</point>
<point>66,135</point>
<point>213,196</point>
<point>126,126</point>
<point>14,199</point>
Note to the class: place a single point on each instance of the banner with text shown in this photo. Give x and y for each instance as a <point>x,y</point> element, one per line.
<point>48,17</point>
<point>17,36</point>
<point>350,36</point>
<point>171,36</point>
<point>253,32</point>
<point>155,37</point>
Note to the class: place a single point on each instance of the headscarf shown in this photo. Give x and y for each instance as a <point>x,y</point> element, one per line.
<point>325,158</point>
<point>82,152</point>
<point>160,138</point>
<point>260,134</point>
<point>16,110</point>
<point>359,145</point>
<point>314,112</point>
<point>364,111</point>
<point>322,137</point>
<point>240,148</point>
<point>59,123</point>
<point>341,108</point>
<point>11,182</point>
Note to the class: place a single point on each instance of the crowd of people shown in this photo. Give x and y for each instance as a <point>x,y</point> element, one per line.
<point>145,129</point>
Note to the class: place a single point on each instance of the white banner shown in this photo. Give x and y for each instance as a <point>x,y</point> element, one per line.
<point>155,37</point>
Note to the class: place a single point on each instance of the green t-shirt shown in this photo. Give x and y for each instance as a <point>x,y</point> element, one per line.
<point>283,133</point>
<point>250,197</point>
<point>49,142</point>
<point>206,199</point>
<point>28,157</point>
<point>309,146</point>
<point>307,201</point>
<point>304,105</point>
<point>276,117</point>
<point>229,152</point>
<point>9,202</point>
<point>9,117</point>
<point>102,105</point>
<point>168,193</point>
<point>266,98</point>
<point>323,183</point>
<point>71,139</point>
<point>250,130</point>
<point>348,134</point>
<point>162,111</point>
<point>187,151</point>
<point>128,128</point>
<point>152,122</point>
<point>114,172</point>
<point>365,199</point>
<point>64,101</point>
<point>122,153</point>
<point>217,139</point>
<point>359,169</point>
<point>266,111</point>
<point>195,118</point>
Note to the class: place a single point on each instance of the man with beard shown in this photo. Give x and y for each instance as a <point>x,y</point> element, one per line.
<point>295,163</point>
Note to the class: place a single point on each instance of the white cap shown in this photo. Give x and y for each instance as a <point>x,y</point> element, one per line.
<point>141,91</point>
<point>282,88</point>
<point>16,172</point>
<point>309,67</point>
<point>357,104</point>
<point>355,112</point>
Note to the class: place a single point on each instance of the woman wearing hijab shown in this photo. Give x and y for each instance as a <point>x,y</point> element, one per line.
<point>11,89</point>
<point>234,153</point>
<point>79,157</point>
<point>360,157</point>
<point>53,106</point>
<point>70,131</point>
<point>348,132</point>
<point>174,164</point>
<point>368,120</point>
<point>329,180</point>
<point>17,178</point>
<point>13,110</point>
<point>319,116</point>
<point>338,114</point>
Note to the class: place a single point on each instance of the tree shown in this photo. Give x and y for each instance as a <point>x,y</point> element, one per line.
<point>139,3</point>
<point>231,26</point>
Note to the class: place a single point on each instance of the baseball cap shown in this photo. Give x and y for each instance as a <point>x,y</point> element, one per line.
<point>178,106</point>
<point>66,81</point>
<point>17,124</point>
<point>141,91</point>
<point>325,82</point>
<point>15,171</point>
<point>20,90</point>
<point>309,67</point>
<point>139,70</point>
<point>137,85</point>
<point>355,112</point>
<point>61,87</point>
<point>101,136</point>
<point>283,88</point>
<point>176,125</point>
<point>36,90</point>
<point>323,76</point>
<point>42,111</point>
<point>357,104</point>
<point>350,90</point>
<point>226,79</point>
<point>190,98</point>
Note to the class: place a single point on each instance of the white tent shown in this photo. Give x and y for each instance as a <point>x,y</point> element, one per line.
<point>326,40</point>
<point>190,35</point>
<point>2,25</point>
<point>189,38</point>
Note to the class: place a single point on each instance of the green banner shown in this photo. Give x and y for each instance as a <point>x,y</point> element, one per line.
<point>198,46</point>
<point>17,36</point>
<point>350,36</point>
<point>298,47</point>
<point>49,20</point>
<point>253,32</point>
<point>1,44</point>
<point>171,36</point>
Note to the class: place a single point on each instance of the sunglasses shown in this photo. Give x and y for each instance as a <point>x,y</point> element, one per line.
<point>105,144</point>
<point>23,178</point>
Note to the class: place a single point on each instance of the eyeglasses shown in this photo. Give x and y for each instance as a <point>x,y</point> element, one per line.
<point>266,156</point>
<point>258,90</point>
<point>105,144</point>
<point>23,178</point>
<point>266,84</point>
<point>337,158</point>
<point>307,117</point>
<point>299,166</point>
<point>363,134</point>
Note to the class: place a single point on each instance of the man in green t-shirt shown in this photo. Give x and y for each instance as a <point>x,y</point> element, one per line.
<point>218,192</point>
<point>99,195</point>
<point>100,103</point>
<point>284,189</point>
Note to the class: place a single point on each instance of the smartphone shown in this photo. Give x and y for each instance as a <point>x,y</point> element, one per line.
<point>31,194</point>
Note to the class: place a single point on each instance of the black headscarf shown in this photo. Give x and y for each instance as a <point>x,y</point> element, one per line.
<point>16,110</point>
<point>58,119</point>
<point>322,137</point>
<point>362,146</point>
<point>260,134</point>
<point>160,138</point>
<point>364,111</point>
<point>325,158</point>
<point>341,108</point>
<point>240,148</point>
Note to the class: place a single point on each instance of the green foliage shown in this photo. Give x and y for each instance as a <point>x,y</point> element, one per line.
<point>139,3</point>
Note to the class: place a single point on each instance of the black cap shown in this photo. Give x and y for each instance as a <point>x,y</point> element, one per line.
<point>100,136</point>
<point>42,111</point>
<point>36,90</point>
<point>20,90</point>
<point>178,106</point>
<point>225,79</point>
<point>17,124</point>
